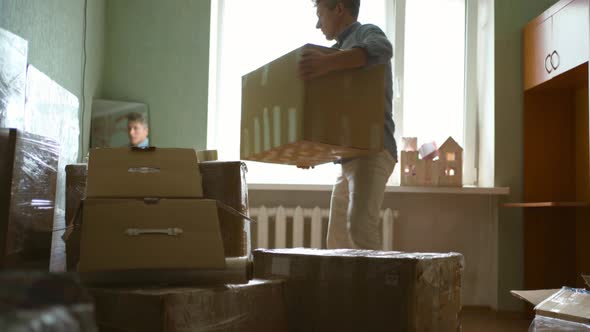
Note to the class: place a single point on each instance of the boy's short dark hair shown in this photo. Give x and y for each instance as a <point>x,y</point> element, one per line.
<point>353,6</point>
<point>137,117</point>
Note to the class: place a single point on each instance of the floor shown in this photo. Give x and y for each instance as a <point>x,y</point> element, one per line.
<point>486,320</point>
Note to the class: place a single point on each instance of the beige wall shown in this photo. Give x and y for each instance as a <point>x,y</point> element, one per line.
<point>157,52</point>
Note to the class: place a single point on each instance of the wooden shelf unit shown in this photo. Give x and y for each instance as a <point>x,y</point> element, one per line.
<point>547,205</point>
<point>556,149</point>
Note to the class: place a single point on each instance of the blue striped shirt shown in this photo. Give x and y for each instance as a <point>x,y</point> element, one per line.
<point>371,38</point>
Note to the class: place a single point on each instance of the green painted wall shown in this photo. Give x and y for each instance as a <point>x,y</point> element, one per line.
<point>157,52</point>
<point>55,31</point>
<point>510,17</point>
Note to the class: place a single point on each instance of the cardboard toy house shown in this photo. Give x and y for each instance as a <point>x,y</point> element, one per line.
<point>446,171</point>
<point>450,164</point>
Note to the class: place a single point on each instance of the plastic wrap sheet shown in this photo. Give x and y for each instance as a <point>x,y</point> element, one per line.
<point>545,324</point>
<point>52,111</point>
<point>13,71</point>
<point>256,306</point>
<point>38,301</point>
<point>28,219</point>
<point>226,182</point>
<point>393,290</point>
<point>569,304</point>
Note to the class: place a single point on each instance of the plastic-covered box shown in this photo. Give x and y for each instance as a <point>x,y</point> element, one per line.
<point>364,290</point>
<point>28,173</point>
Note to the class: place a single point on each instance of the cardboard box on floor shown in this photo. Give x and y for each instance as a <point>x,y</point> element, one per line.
<point>565,308</point>
<point>287,120</point>
<point>257,306</point>
<point>363,290</point>
<point>143,212</point>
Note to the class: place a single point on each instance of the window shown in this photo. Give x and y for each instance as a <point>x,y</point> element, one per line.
<point>428,87</point>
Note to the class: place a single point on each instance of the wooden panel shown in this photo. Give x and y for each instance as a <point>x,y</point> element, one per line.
<point>549,259</point>
<point>536,47</point>
<point>583,184</point>
<point>570,36</point>
<point>549,147</point>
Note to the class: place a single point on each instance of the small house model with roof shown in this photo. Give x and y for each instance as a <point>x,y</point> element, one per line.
<point>446,171</point>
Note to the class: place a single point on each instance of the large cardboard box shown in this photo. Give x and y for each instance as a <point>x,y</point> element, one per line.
<point>254,307</point>
<point>362,290</point>
<point>565,309</point>
<point>28,174</point>
<point>153,172</point>
<point>287,120</point>
<point>145,234</point>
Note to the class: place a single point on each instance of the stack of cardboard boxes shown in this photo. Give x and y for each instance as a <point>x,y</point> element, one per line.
<point>174,232</point>
<point>149,206</point>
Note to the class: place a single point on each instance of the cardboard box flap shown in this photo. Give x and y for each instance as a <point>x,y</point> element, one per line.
<point>133,234</point>
<point>567,304</point>
<point>126,172</point>
<point>533,297</point>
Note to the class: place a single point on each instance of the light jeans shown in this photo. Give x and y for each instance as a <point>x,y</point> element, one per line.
<point>356,202</point>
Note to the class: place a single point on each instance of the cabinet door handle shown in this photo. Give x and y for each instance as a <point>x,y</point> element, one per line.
<point>548,65</point>
<point>554,55</point>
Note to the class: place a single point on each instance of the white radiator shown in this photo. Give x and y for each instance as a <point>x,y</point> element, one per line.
<point>318,219</point>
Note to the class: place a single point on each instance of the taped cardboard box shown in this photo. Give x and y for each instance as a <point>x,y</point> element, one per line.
<point>152,172</point>
<point>257,307</point>
<point>28,174</point>
<point>287,120</point>
<point>566,309</point>
<point>362,290</point>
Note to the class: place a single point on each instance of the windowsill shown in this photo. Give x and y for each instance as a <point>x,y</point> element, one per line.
<point>465,190</point>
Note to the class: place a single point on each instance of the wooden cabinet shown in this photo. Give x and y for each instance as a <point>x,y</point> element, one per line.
<point>556,41</point>
<point>536,49</point>
<point>556,167</point>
